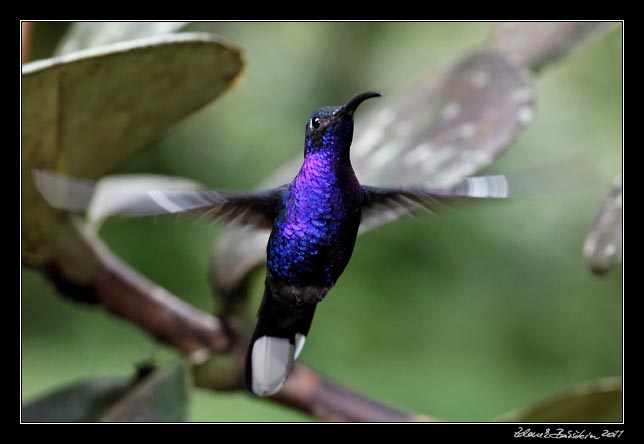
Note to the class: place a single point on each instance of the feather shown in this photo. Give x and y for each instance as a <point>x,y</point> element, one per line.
<point>145,195</point>
<point>382,205</point>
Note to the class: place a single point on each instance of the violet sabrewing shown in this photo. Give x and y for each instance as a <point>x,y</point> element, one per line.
<point>311,243</point>
<point>314,223</point>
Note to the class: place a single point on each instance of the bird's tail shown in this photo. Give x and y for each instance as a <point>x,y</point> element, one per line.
<point>277,341</point>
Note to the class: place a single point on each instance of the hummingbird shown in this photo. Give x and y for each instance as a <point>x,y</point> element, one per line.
<point>314,222</point>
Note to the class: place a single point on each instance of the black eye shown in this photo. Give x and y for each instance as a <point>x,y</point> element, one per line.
<point>315,122</point>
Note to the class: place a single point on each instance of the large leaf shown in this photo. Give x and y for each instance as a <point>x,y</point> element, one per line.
<point>86,112</point>
<point>442,129</point>
<point>447,127</point>
<point>603,245</point>
<point>535,44</point>
<point>598,401</point>
<point>86,401</point>
<point>158,395</point>
<point>83,35</point>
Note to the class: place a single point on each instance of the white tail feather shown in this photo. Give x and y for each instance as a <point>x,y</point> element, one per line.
<point>272,361</point>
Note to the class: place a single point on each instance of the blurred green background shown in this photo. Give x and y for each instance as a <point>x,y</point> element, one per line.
<point>463,316</point>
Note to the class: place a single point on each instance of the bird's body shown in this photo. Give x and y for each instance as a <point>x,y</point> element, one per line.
<point>315,231</point>
<point>313,236</point>
<point>314,223</point>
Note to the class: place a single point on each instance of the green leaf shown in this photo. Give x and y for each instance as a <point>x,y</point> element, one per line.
<point>448,126</point>
<point>597,401</point>
<point>83,402</point>
<point>603,244</point>
<point>86,112</point>
<point>160,397</point>
<point>82,35</point>
<point>536,44</point>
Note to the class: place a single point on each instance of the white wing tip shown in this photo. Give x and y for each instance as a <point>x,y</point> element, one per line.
<point>488,186</point>
<point>162,200</point>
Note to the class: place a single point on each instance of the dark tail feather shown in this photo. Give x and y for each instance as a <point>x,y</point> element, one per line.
<point>277,341</point>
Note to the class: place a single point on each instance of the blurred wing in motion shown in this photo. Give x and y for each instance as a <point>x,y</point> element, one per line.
<point>257,208</point>
<point>443,128</point>
<point>146,195</point>
<point>603,245</point>
<point>383,205</point>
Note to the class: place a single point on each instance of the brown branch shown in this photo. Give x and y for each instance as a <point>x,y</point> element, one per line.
<point>27,31</point>
<point>131,296</point>
<point>309,392</point>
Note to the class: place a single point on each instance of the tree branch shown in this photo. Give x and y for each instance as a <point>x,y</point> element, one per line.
<point>27,29</point>
<point>131,296</point>
<point>110,282</point>
<point>309,392</point>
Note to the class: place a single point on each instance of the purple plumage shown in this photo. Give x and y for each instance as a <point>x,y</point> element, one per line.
<point>313,236</point>
<point>314,222</point>
<point>315,233</point>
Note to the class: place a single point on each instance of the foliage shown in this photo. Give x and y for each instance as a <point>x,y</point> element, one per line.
<point>130,94</point>
<point>152,395</point>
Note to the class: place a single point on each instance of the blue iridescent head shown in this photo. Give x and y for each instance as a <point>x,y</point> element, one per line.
<point>330,129</point>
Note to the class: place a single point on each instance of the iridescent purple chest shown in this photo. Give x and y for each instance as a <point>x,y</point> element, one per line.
<point>314,236</point>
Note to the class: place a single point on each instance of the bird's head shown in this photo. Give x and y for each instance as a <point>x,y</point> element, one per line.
<point>330,129</point>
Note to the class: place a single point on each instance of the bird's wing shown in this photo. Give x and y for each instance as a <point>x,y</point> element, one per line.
<point>382,205</point>
<point>257,208</point>
<point>126,197</point>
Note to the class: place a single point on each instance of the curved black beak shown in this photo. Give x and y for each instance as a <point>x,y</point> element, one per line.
<point>348,109</point>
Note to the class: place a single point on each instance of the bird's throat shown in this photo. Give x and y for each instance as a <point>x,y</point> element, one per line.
<point>325,173</point>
